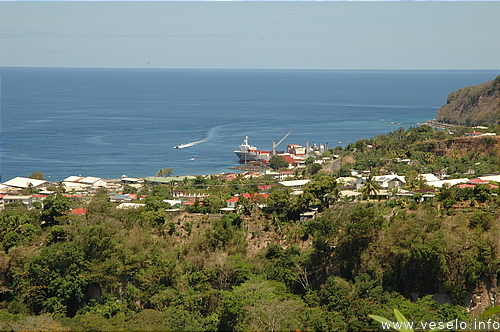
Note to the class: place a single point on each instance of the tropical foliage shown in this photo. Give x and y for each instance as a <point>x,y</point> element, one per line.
<point>257,268</point>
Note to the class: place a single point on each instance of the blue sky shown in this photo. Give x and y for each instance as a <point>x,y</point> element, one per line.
<point>264,35</point>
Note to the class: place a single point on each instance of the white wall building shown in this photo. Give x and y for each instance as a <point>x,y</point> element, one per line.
<point>385,181</point>
<point>25,199</point>
<point>295,185</point>
<point>89,181</point>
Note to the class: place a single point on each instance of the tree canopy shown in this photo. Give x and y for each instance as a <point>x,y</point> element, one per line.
<point>277,162</point>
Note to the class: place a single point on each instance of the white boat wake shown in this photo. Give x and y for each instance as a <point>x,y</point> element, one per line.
<point>187,145</point>
<point>210,134</point>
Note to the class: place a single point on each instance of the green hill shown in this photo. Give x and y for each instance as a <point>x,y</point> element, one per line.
<point>473,105</point>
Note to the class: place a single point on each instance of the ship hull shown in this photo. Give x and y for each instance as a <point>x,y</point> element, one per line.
<point>249,152</point>
<point>249,156</point>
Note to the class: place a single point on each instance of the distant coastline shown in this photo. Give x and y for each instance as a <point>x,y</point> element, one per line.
<point>434,123</point>
<point>442,125</point>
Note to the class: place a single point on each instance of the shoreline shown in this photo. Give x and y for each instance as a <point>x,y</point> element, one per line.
<point>252,167</point>
<point>436,124</point>
<point>453,127</point>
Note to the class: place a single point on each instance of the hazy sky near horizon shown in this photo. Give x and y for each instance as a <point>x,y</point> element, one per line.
<point>260,35</point>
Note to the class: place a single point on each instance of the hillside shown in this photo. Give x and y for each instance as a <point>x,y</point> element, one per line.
<point>473,105</point>
<point>461,146</point>
<point>269,264</point>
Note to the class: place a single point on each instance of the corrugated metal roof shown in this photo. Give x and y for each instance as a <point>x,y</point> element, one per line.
<point>21,182</point>
<point>73,178</point>
<point>169,179</point>
<point>294,183</point>
<point>91,180</point>
<point>384,178</point>
<point>451,182</point>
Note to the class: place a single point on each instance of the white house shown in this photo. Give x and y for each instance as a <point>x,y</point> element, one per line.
<point>390,181</point>
<point>295,185</point>
<point>25,199</point>
<point>385,181</point>
<point>233,201</point>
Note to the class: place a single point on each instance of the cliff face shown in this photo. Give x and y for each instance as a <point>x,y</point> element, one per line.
<point>473,105</point>
<point>485,295</point>
<point>460,146</point>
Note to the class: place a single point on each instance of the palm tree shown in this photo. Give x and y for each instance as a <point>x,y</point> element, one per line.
<point>30,190</point>
<point>370,187</point>
<point>162,172</point>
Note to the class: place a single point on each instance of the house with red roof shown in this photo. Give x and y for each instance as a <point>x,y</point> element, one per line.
<point>475,134</point>
<point>231,203</point>
<point>136,196</point>
<point>78,211</point>
<point>256,198</point>
<point>473,182</point>
<point>290,159</point>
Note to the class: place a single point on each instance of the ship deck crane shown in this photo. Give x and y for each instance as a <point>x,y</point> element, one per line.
<point>275,145</point>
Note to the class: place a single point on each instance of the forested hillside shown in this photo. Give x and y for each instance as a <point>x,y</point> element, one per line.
<point>473,105</point>
<point>262,267</point>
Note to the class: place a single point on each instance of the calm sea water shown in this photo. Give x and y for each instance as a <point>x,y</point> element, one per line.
<point>113,122</point>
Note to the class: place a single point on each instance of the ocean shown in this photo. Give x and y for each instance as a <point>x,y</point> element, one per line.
<point>113,122</point>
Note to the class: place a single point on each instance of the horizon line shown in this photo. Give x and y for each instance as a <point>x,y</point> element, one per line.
<point>277,69</point>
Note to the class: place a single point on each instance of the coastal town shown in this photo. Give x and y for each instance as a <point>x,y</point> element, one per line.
<point>17,189</point>
<point>123,192</point>
<point>313,238</point>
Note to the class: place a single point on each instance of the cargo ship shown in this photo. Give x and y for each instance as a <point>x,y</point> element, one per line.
<point>294,153</point>
<point>249,152</point>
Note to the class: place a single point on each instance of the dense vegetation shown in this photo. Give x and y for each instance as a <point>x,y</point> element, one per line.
<point>473,105</point>
<point>258,268</point>
<point>422,150</point>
